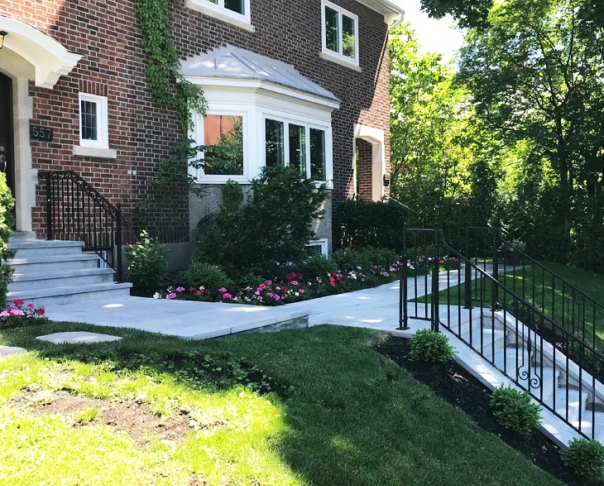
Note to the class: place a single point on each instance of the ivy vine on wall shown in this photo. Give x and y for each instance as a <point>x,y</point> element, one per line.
<point>162,67</point>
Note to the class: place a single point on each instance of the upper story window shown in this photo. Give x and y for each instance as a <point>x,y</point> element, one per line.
<point>340,33</point>
<point>94,129</point>
<point>236,12</point>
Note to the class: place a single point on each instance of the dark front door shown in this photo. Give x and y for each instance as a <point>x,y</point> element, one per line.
<point>6,131</point>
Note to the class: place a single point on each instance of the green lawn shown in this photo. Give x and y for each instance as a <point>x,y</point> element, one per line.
<point>342,415</point>
<point>552,300</point>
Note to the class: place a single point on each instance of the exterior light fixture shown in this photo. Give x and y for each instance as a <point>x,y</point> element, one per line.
<point>2,34</point>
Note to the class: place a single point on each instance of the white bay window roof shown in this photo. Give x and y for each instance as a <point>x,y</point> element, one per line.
<point>265,110</point>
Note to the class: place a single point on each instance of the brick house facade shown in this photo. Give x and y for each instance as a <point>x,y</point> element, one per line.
<point>56,50</point>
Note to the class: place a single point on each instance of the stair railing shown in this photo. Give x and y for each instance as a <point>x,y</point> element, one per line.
<point>75,210</point>
<point>509,332</point>
<point>557,298</point>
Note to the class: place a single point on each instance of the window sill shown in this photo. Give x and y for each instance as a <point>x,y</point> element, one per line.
<point>342,62</point>
<point>99,153</point>
<point>210,12</point>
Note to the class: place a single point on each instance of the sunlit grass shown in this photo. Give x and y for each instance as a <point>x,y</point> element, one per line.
<point>345,415</point>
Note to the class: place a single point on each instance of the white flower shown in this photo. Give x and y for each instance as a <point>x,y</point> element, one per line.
<point>156,295</point>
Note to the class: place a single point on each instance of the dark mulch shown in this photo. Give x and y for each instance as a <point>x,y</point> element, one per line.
<point>457,386</point>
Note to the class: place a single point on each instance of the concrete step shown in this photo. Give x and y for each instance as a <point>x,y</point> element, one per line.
<point>29,248</point>
<point>67,278</point>
<point>574,402</point>
<point>68,295</point>
<point>57,263</point>
<point>586,424</point>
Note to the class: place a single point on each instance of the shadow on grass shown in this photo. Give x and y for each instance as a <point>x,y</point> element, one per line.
<point>351,416</point>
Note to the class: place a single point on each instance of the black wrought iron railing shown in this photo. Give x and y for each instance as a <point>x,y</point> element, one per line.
<point>557,298</point>
<point>75,210</point>
<point>559,369</point>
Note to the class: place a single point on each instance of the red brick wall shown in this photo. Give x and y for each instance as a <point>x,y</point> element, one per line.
<point>364,169</point>
<point>107,33</point>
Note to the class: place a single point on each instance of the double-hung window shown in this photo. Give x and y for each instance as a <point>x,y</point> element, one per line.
<point>233,11</point>
<point>94,129</point>
<point>340,33</point>
<point>300,145</point>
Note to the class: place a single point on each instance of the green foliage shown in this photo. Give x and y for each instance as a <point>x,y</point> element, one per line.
<point>271,230</point>
<point>514,410</point>
<point>148,264</point>
<point>232,195</point>
<point>163,63</point>
<point>348,259</point>
<point>586,458</point>
<point>317,265</point>
<point>534,75</point>
<point>469,13</point>
<point>210,276</point>
<point>444,160</point>
<point>368,223</point>
<point>6,224</point>
<point>431,347</point>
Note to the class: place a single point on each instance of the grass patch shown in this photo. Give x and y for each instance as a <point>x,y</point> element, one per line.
<point>305,407</point>
<point>547,296</point>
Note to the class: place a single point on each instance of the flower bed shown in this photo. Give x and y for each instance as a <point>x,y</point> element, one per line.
<point>20,314</point>
<point>293,287</point>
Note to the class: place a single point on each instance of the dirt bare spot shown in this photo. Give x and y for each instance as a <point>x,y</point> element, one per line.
<point>134,418</point>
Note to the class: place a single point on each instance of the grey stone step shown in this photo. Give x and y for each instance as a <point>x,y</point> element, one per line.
<point>28,248</point>
<point>55,263</point>
<point>67,295</point>
<point>66,278</point>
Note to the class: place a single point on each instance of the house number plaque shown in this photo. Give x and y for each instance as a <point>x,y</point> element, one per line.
<point>37,132</point>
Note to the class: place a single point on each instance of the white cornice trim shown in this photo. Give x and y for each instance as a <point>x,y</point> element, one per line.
<point>50,59</point>
<point>393,14</point>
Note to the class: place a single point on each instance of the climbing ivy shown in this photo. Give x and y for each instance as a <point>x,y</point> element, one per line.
<point>162,67</point>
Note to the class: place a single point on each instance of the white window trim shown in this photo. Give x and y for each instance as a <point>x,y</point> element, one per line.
<point>328,53</point>
<point>198,135</point>
<point>218,11</point>
<point>322,243</point>
<point>102,128</point>
<point>293,120</point>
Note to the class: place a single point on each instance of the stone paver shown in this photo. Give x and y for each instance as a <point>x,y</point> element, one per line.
<point>78,337</point>
<point>10,350</point>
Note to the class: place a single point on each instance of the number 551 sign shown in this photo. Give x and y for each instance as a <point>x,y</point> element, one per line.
<point>37,132</point>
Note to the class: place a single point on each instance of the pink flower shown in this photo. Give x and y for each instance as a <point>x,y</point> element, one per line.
<point>301,291</point>
<point>18,302</point>
<point>180,289</point>
<point>40,311</point>
<point>276,297</point>
<point>222,290</point>
<point>172,296</point>
<point>269,283</point>
<point>227,296</point>
<point>4,314</point>
<point>202,288</point>
<point>30,305</point>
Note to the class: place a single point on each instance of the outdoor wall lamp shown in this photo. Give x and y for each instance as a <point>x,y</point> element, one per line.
<point>386,180</point>
<point>2,34</point>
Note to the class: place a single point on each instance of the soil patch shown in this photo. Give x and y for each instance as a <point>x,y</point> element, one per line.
<point>134,418</point>
<point>457,386</point>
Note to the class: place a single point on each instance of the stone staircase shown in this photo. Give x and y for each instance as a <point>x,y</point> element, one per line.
<point>551,377</point>
<point>59,272</point>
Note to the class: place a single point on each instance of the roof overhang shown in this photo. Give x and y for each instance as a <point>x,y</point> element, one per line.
<point>50,59</point>
<point>393,14</point>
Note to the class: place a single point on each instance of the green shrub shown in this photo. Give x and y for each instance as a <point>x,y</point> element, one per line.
<point>271,230</point>
<point>7,222</point>
<point>515,411</point>
<point>148,264</point>
<point>317,265</point>
<point>431,347</point>
<point>348,259</point>
<point>585,457</point>
<point>369,223</point>
<point>210,276</point>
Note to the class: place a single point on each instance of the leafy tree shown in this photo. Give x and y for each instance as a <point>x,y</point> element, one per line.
<point>444,160</point>
<point>535,76</point>
<point>469,13</point>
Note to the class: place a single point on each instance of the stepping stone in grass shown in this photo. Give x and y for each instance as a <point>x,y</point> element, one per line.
<point>78,337</point>
<point>8,350</point>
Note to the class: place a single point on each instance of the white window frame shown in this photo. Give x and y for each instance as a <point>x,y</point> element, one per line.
<point>102,129</point>
<point>321,243</point>
<point>219,11</point>
<point>199,137</point>
<point>307,127</point>
<point>339,56</point>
